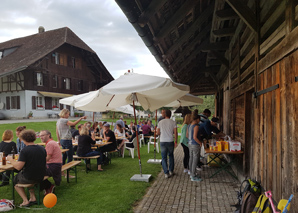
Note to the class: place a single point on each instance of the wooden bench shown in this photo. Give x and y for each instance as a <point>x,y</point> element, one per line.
<point>109,155</point>
<point>86,158</point>
<point>68,166</point>
<point>32,185</point>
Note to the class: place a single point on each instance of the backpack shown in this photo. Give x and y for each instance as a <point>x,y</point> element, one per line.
<point>249,201</point>
<point>6,205</point>
<point>263,205</point>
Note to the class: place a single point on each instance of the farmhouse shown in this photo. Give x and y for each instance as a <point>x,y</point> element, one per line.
<point>37,70</point>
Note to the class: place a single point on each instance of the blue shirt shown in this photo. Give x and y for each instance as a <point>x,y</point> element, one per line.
<point>20,145</point>
<point>205,130</point>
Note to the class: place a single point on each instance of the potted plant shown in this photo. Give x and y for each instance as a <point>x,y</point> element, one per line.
<point>55,107</point>
<point>39,106</point>
<point>30,114</point>
<point>76,114</point>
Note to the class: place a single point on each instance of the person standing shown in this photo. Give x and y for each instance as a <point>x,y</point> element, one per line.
<point>32,163</point>
<point>166,128</point>
<point>64,135</point>
<point>54,161</point>
<point>184,142</point>
<point>163,115</point>
<point>194,145</point>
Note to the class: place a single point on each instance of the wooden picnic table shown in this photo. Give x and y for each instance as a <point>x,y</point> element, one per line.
<point>100,144</point>
<point>7,167</point>
<point>64,150</point>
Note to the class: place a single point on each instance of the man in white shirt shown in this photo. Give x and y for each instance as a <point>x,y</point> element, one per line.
<point>166,129</point>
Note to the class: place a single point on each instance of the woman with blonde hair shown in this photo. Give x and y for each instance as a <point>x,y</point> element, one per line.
<point>7,146</point>
<point>20,143</point>
<point>84,145</point>
<point>184,141</point>
<point>64,135</point>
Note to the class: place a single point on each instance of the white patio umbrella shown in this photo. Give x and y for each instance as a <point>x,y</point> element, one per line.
<point>186,100</point>
<point>151,92</point>
<point>72,99</point>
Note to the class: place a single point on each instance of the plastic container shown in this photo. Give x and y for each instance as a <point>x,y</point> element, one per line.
<point>235,146</point>
<point>226,146</point>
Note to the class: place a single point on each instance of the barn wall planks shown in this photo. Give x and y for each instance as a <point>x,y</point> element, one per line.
<point>276,127</point>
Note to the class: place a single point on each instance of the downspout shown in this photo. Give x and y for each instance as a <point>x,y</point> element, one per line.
<point>133,19</point>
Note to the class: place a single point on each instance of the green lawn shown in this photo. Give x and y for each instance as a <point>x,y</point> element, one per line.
<point>108,191</point>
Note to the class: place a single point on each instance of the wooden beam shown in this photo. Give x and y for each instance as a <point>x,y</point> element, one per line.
<point>286,46</point>
<point>224,32</point>
<point>147,14</point>
<point>222,45</point>
<point>220,57</point>
<point>226,14</point>
<point>244,87</point>
<point>192,29</point>
<point>245,13</point>
<point>175,19</point>
<point>192,55</point>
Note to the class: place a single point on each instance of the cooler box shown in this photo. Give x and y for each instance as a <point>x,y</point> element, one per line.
<point>235,146</point>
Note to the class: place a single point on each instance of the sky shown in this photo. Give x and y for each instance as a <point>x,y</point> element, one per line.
<point>101,24</point>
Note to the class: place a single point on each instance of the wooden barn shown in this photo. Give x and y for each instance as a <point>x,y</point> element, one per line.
<point>37,70</point>
<point>245,52</point>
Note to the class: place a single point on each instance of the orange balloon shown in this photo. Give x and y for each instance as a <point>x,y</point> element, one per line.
<point>50,200</point>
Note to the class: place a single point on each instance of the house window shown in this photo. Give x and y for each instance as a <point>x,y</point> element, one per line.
<point>55,81</point>
<point>39,79</point>
<point>55,103</point>
<point>57,58</point>
<point>39,102</point>
<point>67,83</point>
<point>80,85</point>
<point>13,102</point>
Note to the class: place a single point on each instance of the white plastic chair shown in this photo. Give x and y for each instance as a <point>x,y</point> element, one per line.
<point>141,138</point>
<point>131,150</point>
<point>151,141</point>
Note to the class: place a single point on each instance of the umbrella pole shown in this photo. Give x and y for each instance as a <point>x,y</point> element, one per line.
<point>134,111</point>
<point>155,134</point>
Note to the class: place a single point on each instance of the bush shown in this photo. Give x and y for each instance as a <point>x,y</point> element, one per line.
<point>179,120</point>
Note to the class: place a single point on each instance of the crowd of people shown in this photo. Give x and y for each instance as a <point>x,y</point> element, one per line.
<point>36,161</point>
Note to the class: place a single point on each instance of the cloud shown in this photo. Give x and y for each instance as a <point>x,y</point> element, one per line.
<point>102,25</point>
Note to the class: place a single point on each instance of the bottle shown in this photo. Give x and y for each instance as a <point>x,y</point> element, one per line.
<point>4,159</point>
<point>13,153</point>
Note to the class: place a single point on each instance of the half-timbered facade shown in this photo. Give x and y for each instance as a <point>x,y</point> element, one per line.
<point>37,70</point>
<point>245,52</point>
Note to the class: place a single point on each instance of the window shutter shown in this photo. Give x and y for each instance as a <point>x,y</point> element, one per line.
<point>35,78</point>
<point>61,106</point>
<point>33,102</point>
<point>45,79</point>
<point>7,102</point>
<point>18,102</point>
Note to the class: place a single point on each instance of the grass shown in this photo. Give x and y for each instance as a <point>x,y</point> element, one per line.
<point>108,191</point>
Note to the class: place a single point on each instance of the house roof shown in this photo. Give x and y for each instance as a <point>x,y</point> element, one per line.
<point>34,47</point>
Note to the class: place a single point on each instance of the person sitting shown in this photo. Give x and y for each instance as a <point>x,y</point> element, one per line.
<point>134,134</point>
<point>119,132</point>
<point>109,136</point>
<point>146,131</point>
<point>84,146</point>
<point>7,146</point>
<point>32,163</point>
<point>95,128</point>
<point>54,162</point>
<point>20,144</point>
